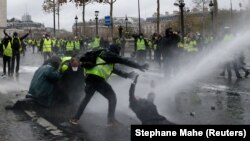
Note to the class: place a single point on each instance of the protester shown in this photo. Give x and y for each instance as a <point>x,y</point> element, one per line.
<point>145,109</point>
<point>42,84</point>
<point>16,49</point>
<point>96,80</point>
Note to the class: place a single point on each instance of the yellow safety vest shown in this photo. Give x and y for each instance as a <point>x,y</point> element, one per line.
<point>141,44</point>
<point>103,71</point>
<point>192,46</point>
<point>70,46</point>
<point>228,37</point>
<point>47,43</point>
<point>7,51</point>
<point>77,45</point>
<point>96,43</point>
<point>64,66</point>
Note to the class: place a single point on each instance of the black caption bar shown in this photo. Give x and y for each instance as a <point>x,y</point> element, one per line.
<point>194,132</point>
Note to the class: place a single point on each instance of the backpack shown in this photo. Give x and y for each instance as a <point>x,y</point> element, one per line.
<point>16,44</point>
<point>89,58</point>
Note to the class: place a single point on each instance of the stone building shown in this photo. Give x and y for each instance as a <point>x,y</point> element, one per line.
<point>3,16</point>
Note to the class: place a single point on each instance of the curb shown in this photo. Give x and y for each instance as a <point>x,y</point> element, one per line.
<point>44,123</point>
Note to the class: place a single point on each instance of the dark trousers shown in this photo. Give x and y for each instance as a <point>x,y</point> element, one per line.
<point>46,56</point>
<point>95,83</point>
<point>141,56</point>
<point>6,60</point>
<point>15,62</point>
<point>228,68</point>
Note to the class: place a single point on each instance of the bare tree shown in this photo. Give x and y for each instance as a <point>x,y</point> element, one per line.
<point>48,6</point>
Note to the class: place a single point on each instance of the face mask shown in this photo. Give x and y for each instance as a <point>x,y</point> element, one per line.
<point>74,68</point>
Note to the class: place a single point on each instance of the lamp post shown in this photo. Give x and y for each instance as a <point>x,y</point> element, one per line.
<point>211,5</point>
<point>139,15</point>
<point>181,5</point>
<point>76,18</point>
<point>126,21</point>
<point>54,17</point>
<point>231,9</point>
<point>96,22</point>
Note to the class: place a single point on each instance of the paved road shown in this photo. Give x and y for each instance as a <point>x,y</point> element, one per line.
<point>210,100</point>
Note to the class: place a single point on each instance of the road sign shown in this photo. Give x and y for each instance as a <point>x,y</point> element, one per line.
<point>107,21</point>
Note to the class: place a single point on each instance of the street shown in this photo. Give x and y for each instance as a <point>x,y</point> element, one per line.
<point>211,100</point>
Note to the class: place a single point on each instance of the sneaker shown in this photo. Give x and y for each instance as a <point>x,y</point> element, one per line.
<point>73,121</point>
<point>113,123</point>
<point>9,107</point>
<point>246,74</point>
<point>3,76</point>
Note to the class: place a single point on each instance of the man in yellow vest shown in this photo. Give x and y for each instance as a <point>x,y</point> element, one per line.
<point>70,47</point>
<point>16,49</point>
<point>141,47</point>
<point>7,54</point>
<point>96,43</point>
<point>96,80</point>
<point>77,45</point>
<point>71,84</point>
<point>47,47</point>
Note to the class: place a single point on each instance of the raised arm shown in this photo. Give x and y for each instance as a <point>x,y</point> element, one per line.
<point>132,98</point>
<point>5,33</point>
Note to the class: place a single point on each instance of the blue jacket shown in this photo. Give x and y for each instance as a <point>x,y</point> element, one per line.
<point>42,84</point>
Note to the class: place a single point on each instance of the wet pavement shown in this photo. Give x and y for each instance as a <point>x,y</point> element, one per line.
<point>213,100</point>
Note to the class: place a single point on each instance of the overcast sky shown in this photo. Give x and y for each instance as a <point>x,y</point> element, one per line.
<point>17,8</point>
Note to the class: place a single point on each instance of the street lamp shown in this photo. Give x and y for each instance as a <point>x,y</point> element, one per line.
<point>96,22</point>
<point>139,14</point>
<point>126,20</point>
<point>76,18</point>
<point>181,5</point>
<point>211,5</point>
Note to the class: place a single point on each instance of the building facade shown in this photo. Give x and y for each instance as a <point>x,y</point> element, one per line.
<point>3,16</point>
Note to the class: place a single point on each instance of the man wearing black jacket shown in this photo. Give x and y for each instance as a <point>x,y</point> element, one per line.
<point>145,109</point>
<point>96,80</point>
<point>16,48</point>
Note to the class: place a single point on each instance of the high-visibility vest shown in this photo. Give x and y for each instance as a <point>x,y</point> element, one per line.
<point>96,43</point>
<point>64,65</point>
<point>47,44</point>
<point>70,46</point>
<point>192,46</point>
<point>7,51</point>
<point>228,37</point>
<point>103,71</point>
<point>53,42</point>
<point>77,45</point>
<point>141,44</point>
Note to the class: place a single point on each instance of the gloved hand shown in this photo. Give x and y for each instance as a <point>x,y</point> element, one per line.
<point>132,75</point>
<point>144,67</point>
